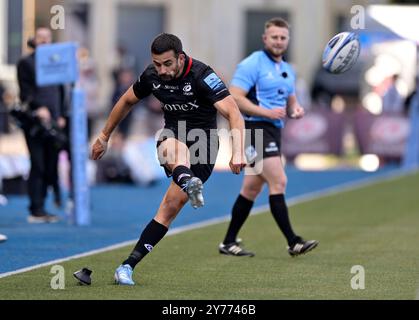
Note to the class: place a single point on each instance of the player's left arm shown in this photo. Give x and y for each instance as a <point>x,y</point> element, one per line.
<point>294,109</point>
<point>229,110</point>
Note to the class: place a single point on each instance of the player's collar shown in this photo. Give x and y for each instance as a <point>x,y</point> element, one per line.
<point>187,67</point>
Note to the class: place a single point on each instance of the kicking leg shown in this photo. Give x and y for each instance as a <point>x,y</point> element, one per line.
<point>172,203</point>
<point>174,155</point>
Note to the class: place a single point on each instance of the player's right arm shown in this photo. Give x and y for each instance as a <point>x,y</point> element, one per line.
<point>118,113</point>
<point>246,78</point>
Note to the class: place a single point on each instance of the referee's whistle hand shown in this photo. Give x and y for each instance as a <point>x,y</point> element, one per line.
<point>276,113</point>
<point>236,167</point>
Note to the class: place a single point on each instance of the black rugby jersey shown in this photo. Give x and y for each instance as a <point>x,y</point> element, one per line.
<point>189,98</point>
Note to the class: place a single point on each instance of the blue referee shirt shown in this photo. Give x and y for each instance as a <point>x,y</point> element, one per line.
<point>268,83</point>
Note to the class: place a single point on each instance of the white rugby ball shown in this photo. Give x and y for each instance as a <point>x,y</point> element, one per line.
<point>341,52</point>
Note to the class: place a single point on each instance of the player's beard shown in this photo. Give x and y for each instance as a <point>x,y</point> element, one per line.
<point>168,77</point>
<point>172,74</point>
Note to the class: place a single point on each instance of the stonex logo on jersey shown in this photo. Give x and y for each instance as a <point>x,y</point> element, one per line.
<point>181,107</point>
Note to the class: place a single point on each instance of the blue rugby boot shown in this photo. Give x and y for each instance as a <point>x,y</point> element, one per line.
<point>123,275</point>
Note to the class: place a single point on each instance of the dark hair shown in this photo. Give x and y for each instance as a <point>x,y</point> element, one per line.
<point>277,22</point>
<point>165,42</point>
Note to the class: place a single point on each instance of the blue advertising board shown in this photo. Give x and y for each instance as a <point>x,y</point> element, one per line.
<point>56,64</point>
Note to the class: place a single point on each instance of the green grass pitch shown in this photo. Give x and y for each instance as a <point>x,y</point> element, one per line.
<point>376,227</point>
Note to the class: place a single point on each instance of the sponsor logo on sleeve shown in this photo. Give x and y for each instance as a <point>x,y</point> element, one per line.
<point>213,81</point>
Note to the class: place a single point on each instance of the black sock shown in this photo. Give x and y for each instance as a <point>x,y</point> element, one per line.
<point>240,212</point>
<point>181,176</point>
<point>279,210</point>
<point>151,235</point>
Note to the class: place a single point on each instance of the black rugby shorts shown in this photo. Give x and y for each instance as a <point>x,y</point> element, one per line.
<point>256,148</point>
<point>203,152</point>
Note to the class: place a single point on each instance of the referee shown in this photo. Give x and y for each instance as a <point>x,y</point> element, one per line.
<point>263,87</point>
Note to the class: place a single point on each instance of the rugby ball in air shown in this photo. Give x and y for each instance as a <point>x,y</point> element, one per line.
<point>341,52</point>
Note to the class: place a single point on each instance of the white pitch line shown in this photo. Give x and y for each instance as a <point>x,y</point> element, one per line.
<point>81,255</point>
<point>260,209</point>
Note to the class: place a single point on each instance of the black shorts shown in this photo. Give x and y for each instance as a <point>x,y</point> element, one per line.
<point>261,144</point>
<point>203,151</point>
